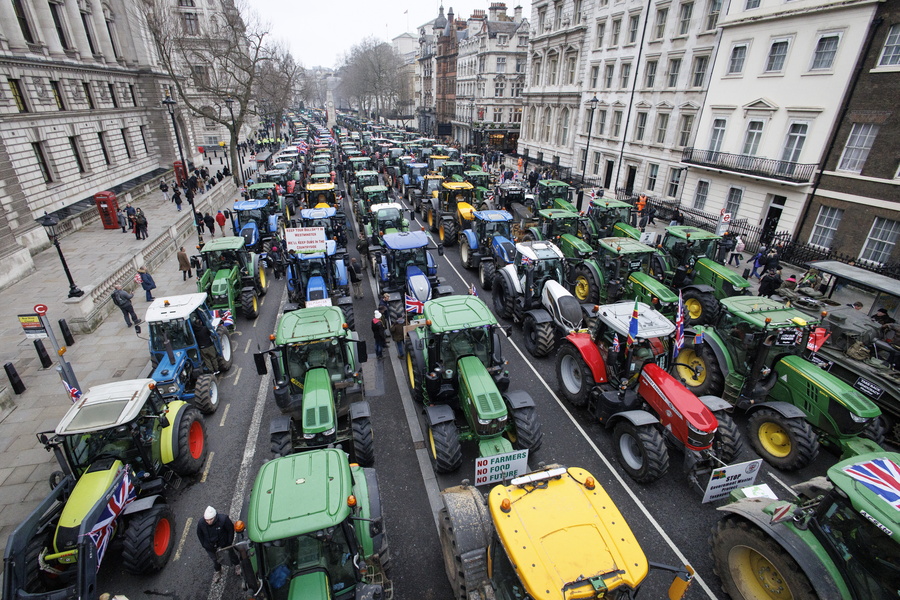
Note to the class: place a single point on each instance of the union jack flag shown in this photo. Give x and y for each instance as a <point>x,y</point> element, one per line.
<point>881,476</point>
<point>679,328</point>
<point>413,305</point>
<point>225,315</point>
<point>632,327</point>
<point>527,260</point>
<point>473,291</point>
<point>102,532</point>
<point>593,194</point>
<point>616,346</point>
<point>74,392</point>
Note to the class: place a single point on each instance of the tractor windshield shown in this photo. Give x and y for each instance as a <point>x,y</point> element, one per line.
<point>861,550</point>
<point>324,551</point>
<point>564,226</point>
<point>418,171</point>
<point>324,223</point>
<point>220,259</point>
<point>623,265</point>
<point>548,268</point>
<point>178,332</point>
<point>388,218</point>
<point>479,180</point>
<point>407,258</point>
<point>365,181</point>
<point>322,197</point>
<point>321,168</point>
<point>302,357</point>
<point>432,185</point>
<point>492,228</point>
<point>607,217</point>
<point>704,248</point>
<point>466,342</point>
<point>246,216</point>
<point>379,197</point>
<point>261,194</point>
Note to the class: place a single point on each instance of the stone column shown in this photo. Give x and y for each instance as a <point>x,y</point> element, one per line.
<point>11,28</point>
<point>48,29</point>
<point>101,35</point>
<point>76,28</point>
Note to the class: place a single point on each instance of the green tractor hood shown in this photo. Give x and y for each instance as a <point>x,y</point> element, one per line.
<point>623,229</point>
<point>309,586</point>
<point>477,383</point>
<point>318,402</point>
<point>707,269</point>
<point>827,384</point>
<point>650,287</point>
<point>580,248</point>
<point>221,282</point>
<point>91,487</point>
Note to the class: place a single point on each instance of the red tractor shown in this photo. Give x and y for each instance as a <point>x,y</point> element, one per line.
<point>626,387</point>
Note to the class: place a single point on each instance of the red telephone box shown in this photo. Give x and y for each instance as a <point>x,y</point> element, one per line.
<point>108,207</point>
<point>180,172</point>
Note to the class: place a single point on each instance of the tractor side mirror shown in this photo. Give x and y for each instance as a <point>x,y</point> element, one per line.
<point>361,354</point>
<point>260,359</point>
<point>440,249</point>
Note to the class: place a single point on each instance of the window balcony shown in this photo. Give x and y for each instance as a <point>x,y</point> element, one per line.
<point>767,168</point>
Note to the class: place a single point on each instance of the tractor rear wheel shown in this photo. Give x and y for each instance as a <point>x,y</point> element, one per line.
<point>751,565</point>
<point>449,232</point>
<point>700,308</point>
<point>465,254</point>
<point>527,433</point>
<point>587,288</point>
<point>206,394</point>
<point>261,281</point>
<point>465,572</point>
<point>446,453</point>
<point>226,359</point>
<point>281,443</point>
<point>787,444</point>
<point>430,218</point>
<point>698,369</point>
<point>539,337</point>
<point>727,442</point>
<point>349,316</point>
<point>503,298</point>
<point>149,540</point>
<point>575,380</point>
<point>190,450</point>
<point>250,304</point>
<point>363,441</point>
<point>486,270</point>
<point>875,430</point>
<point>641,451</point>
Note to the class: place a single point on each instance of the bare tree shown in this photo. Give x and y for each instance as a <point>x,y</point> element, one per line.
<point>280,83</point>
<point>370,75</point>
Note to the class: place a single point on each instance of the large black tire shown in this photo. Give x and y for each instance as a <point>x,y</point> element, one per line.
<point>149,540</point>
<point>349,316</point>
<point>250,304</point>
<point>465,254</point>
<point>699,370</point>
<point>503,299</point>
<point>751,564</point>
<point>413,377</point>
<point>261,281</point>
<point>206,394</point>
<point>281,443</point>
<point>875,430</point>
<point>641,451</point>
<point>586,288</point>
<point>787,444</point>
<point>430,217</point>
<point>465,576</point>
<point>226,359</point>
<point>449,232</point>
<point>363,441</point>
<point>727,442</point>
<point>700,308</point>
<point>540,338</point>
<point>446,453</point>
<point>486,271</point>
<point>573,377</point>
<point>34,578</point>
<point>527,433</point>
<point>190,447</point>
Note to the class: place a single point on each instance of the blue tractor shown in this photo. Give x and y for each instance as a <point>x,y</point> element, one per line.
<point>488,244</point>
<point>413,175</point>
<point>407,271</point>
<point>181,368</point>
<point>320,279</point>
<point>332,220</point>
<point>259,222</point>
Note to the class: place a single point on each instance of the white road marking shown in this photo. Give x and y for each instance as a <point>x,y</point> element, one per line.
<point>184,534</point>
<point>247,347</point>
<point>224,415</point>
<point>237,375</point>
<point>783,484</point>
<point>209,459</point>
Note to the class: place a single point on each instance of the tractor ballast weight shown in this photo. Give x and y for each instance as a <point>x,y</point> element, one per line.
<point>231,276</point>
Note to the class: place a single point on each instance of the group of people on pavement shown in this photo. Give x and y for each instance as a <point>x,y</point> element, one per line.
<point>134,220</point>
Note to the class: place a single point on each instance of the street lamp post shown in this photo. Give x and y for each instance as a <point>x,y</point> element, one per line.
<point>228,102</point>
<point>592,106</point>
<point>49,223</point>
<point>170,106</point>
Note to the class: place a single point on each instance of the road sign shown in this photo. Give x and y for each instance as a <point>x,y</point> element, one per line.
<point>499,467</point>
<point>34,328</point>
<point>724,480</point>
<point>40,309</point>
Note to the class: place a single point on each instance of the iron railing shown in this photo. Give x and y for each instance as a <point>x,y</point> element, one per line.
<point>781,170</point>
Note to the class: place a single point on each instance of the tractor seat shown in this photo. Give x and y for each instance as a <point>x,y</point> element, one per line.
<point>570,310</point>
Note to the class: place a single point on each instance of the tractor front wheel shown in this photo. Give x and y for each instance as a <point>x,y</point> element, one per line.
<point>363,441</point>
<point>226,359</point>
<point>787,444</point>
<point>527,433</point>
<point>449,232</point>
<point>206,394</point>
<point>875,430</point>
<point>349,316</point>
<point>587,288</point>
<point>281,443</point>
<point>190,450</point>
<point>429,218</point>
<point>260,280</point>
<point>700,308</point>
<point>412,372</point>
<point>727,442</point>
<point>751,565</point>
<point>641,451</point>
<point>486,270</point>
<point>503,298</point>
<point>446,453</point>
<point>574,378</point>
<point>698,369</point>
<point>465,254</point>
<point>539,337</point>
<point>149,540</point>
<point>250,304</point>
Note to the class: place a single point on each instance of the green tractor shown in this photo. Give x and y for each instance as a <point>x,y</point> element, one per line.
<point>314,530</point>
<point>362,180</point>
<point>481,181</point>
<point>840,537</point>
<point>384,218</point>
<point>230,275</point>
<point>455,367</point>
<point>551,194</point>
<point>370,196</point>
<point>752,357</point>
<point>118,446</point>
<point>453,171</point>
<point>316,361</point>
<point>609,218</point>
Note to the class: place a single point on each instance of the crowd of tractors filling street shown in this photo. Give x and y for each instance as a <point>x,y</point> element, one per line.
<point>523,389</point>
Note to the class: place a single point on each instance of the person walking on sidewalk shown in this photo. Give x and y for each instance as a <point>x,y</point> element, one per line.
<point>220,219</point>
<point>210,224</point>
<point>123,220</point>
<point>176,198</point>
<point>215,530</point>
<point>164,188</point>
<point>397,323</point>
<point>356,277</point>
<point>198,219</point>
<point>147,283</point>
<point>141,220</point>
<point>378,333</point>
<point>184,264</point>
<point>737,255</point>
<point>122,299</point>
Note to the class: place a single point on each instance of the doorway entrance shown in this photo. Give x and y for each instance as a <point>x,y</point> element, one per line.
<point>773,215</point>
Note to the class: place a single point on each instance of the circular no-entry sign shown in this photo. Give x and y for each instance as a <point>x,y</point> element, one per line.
<point>40,309</point>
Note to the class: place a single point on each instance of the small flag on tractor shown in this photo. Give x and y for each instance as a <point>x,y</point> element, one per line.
<point>74,392</point>
<point>102,532</point>
<point>473,291</point>
<point>616,347</point>
<point>225,315</point>
<point>632,327</point>
<point>414,305</point>
<point>679,327</point>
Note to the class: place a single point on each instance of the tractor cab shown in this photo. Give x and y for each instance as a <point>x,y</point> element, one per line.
<point>459,327</point>
<point>321,167</point>
<point>436,161</point>
<point>479,179</point>
<point>413,173</point>
<point>360,163</point>
<point>608,216</point>
<point>314,275</point>
<point>536,263</point>
<point>452,171</point>
<point>472,161</point>
<point>265,191</point>
<point>510,192</point>
<point>407,253</point>
<point>250,218</point>
<point>321,195</point>
<point>626,267</point>
<point>651,345</point>
<point>403,265</point>
<point>365,179</point>
<point>555,194</point>
<point>457,197</point>
<point>318,178</point>
<point>553,224</point>
<point>491,223</point>
<point>330,219</point>
<point>385,218</point>
<point>375,194</point>
<point>690,256</point>
<point>431,185</point>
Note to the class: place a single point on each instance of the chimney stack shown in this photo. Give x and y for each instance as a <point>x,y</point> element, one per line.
<point>517,14</point>
<point>497,11</point>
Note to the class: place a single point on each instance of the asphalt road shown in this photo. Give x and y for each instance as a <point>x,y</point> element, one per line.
<point>667,516</point>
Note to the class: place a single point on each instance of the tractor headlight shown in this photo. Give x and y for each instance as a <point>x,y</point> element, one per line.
<point>329,432</point>
<point>309,436</point>
<point>172,389</point>
<point>699,439</point>
<point>857,419</point>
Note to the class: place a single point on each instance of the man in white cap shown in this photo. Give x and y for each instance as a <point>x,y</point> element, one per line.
<point>216,531</point>
<point>378,330</point>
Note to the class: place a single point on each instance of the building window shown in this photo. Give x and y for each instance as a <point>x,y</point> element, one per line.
<point>652,175</point>
<point>131,93</point>
<point>752,137</point>
<point>56,12</point>
<point>640,126</point>
<point>523,40</point>
<point>498,89</point>
<point>616,30</point>
<point>76,152</point>
<point>717,135</point>
<point>601,31</point>
<point>826,224</point>
<point>15,88</point>
<point>701,194</point>
<point>571,61</point>
<point>595,167</point>
<point>113,39</point>
<point>662,14</point>
<point>103,148</point>
<point>662,124</point>
<point>189,23</point>
<point>826,49</point>
<point>736,62</point>
<point>881,241</point>
<point>624,76</point>
<point>595,75</point>
<point>516,89</point>
<point>38,148</point>
<point>112,95</point>
<point>617,123</point>
<point>672,76</point>
<point>609,76</point>
<point>751,4</point>
<point>552,65</point>
<point>547,125</point>
<point>777,55</point>
<point>144,139</point>
<point>601,122</point>
<point>535,72</point>
<point>563,135</point>
<point>793,144</point>
<point>57,95</point>
<point>186,3</point>
<point>557,16</point>
<point>860,141</point>
<point>22,18</point>
<point>674,182</point>
<point>86,87</point>
<point>501,64</point>
<point>684,18</point>
<point>89,32</point>
<point>633,24</point>
<point>517,114</point>
<point>542,20</point>
<point>502,40</point>
<point>127,143</point>
<point>576,11</point>
<point>733,201</point>
<point>712,14</point>
<point>890,54</point>
<point>651,73</point>
<point>698,77</point>
<point>684,130</point>
<point>520,65</point>
<point>498,115</point>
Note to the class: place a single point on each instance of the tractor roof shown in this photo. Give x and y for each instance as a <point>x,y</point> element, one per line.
<point>250,204</point>
<point>325,212</point>
<point>863,497</point>
<point>695,233</point>
<point>297,494</point>
<point>590,539</point>
<point>224,243</point>
<point>366,174</point>
<point>369,189</point>
<point>458,312</point>
<point>539,250</point>
<point>492,215</point>
<point>358,158</point>
<point>457,185</point>
<point>174,307</point>
<point>756,309</point>
<point>107,405</point>
<point>475,173</point>
<point>405,240</point>
<point>434,176</point>
<point>651,324</point>
<point>417,165</point>
<point>557,213</point>
<point>260,186</point>
<point>452,163</point>
<point>439,156</point>
<point>609,203</point>
<point>279,171</point>
<point>623,245</point>
<point>320,187</point>
<point>309,324</point>
<point>552,183</point>
<point>378,207</point>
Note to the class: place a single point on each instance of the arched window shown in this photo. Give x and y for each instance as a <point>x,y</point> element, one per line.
<point>562,133</point>
<point>532,117</point>
<point>536,70</point>
<point>548,121</point>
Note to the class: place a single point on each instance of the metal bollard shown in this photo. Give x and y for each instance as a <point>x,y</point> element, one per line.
<point>14,379</point>
<point>746,274</point>
<point>66,332</point>
<point>42,354</point>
